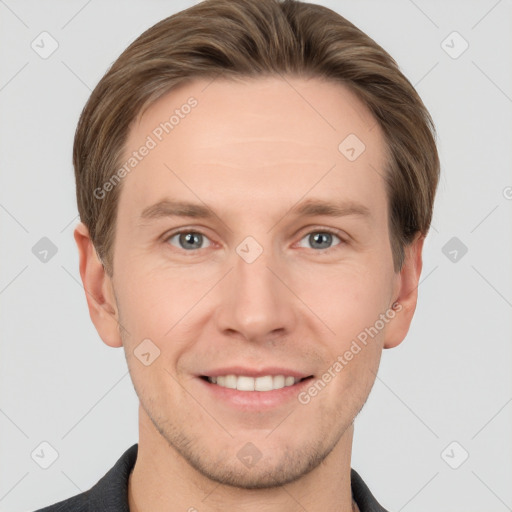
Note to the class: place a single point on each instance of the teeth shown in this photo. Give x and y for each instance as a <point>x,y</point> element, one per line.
<point>278,381</point>
<point>244,383</point>
<point>264,383</point>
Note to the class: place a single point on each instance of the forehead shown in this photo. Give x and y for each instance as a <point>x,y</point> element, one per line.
<point>277,137</point>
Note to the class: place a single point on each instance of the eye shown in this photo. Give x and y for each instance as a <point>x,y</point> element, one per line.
<point>321,239</point>
<point>188,240</point>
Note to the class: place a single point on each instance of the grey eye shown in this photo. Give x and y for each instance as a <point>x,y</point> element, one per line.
<point>320,239</point>
<point>188,240</point>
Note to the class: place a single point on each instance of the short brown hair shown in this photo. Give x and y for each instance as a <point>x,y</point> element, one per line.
<point>255,38</point>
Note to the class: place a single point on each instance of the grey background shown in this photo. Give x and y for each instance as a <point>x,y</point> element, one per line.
<point>449,381</point>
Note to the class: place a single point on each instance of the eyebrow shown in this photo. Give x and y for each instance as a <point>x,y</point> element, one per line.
<point>168,208</point>
<point>310,207</point>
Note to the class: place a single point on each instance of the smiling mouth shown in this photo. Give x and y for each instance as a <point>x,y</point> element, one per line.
<point>246,383</point>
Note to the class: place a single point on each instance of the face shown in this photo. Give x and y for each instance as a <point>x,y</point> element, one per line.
<point>252,240</point>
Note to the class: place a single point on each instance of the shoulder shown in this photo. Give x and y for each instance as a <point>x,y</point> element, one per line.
<point>78,503</point>
<point>109,494</point>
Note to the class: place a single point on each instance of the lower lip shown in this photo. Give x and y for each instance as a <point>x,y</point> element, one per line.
<point>256,400</point>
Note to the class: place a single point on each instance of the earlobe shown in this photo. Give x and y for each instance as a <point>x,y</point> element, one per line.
<point>406,294</point>
<point>98,288</point>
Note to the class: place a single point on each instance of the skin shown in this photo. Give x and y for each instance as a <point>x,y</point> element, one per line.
<point>250,151</point>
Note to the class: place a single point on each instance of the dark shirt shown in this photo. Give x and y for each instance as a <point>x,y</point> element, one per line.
<point>110,494</point>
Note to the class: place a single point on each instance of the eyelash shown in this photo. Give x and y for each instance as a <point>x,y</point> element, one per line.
<point>316,230</point>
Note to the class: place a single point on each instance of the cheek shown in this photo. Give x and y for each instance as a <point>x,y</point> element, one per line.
<point>162,305</point>
<point>150,304</point>
<point>348,299</point>
<point>350,304</point>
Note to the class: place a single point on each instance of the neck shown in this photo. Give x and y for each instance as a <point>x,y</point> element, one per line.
<point>162,480</point>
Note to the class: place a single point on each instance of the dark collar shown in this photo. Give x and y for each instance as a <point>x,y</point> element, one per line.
<point>110,494</point>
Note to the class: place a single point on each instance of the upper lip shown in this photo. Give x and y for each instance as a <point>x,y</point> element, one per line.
<point>255,372</point>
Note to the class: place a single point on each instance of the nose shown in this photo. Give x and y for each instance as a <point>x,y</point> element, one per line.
<point>255,302</point>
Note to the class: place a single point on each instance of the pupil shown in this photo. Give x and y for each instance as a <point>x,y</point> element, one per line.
<point>319,237</point>
<point>190,238</point>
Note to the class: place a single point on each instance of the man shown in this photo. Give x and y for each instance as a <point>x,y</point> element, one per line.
<point>255,181</point>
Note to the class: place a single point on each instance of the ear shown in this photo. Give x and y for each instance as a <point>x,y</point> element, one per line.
<point>405,293</point>
<point>99,290</point>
